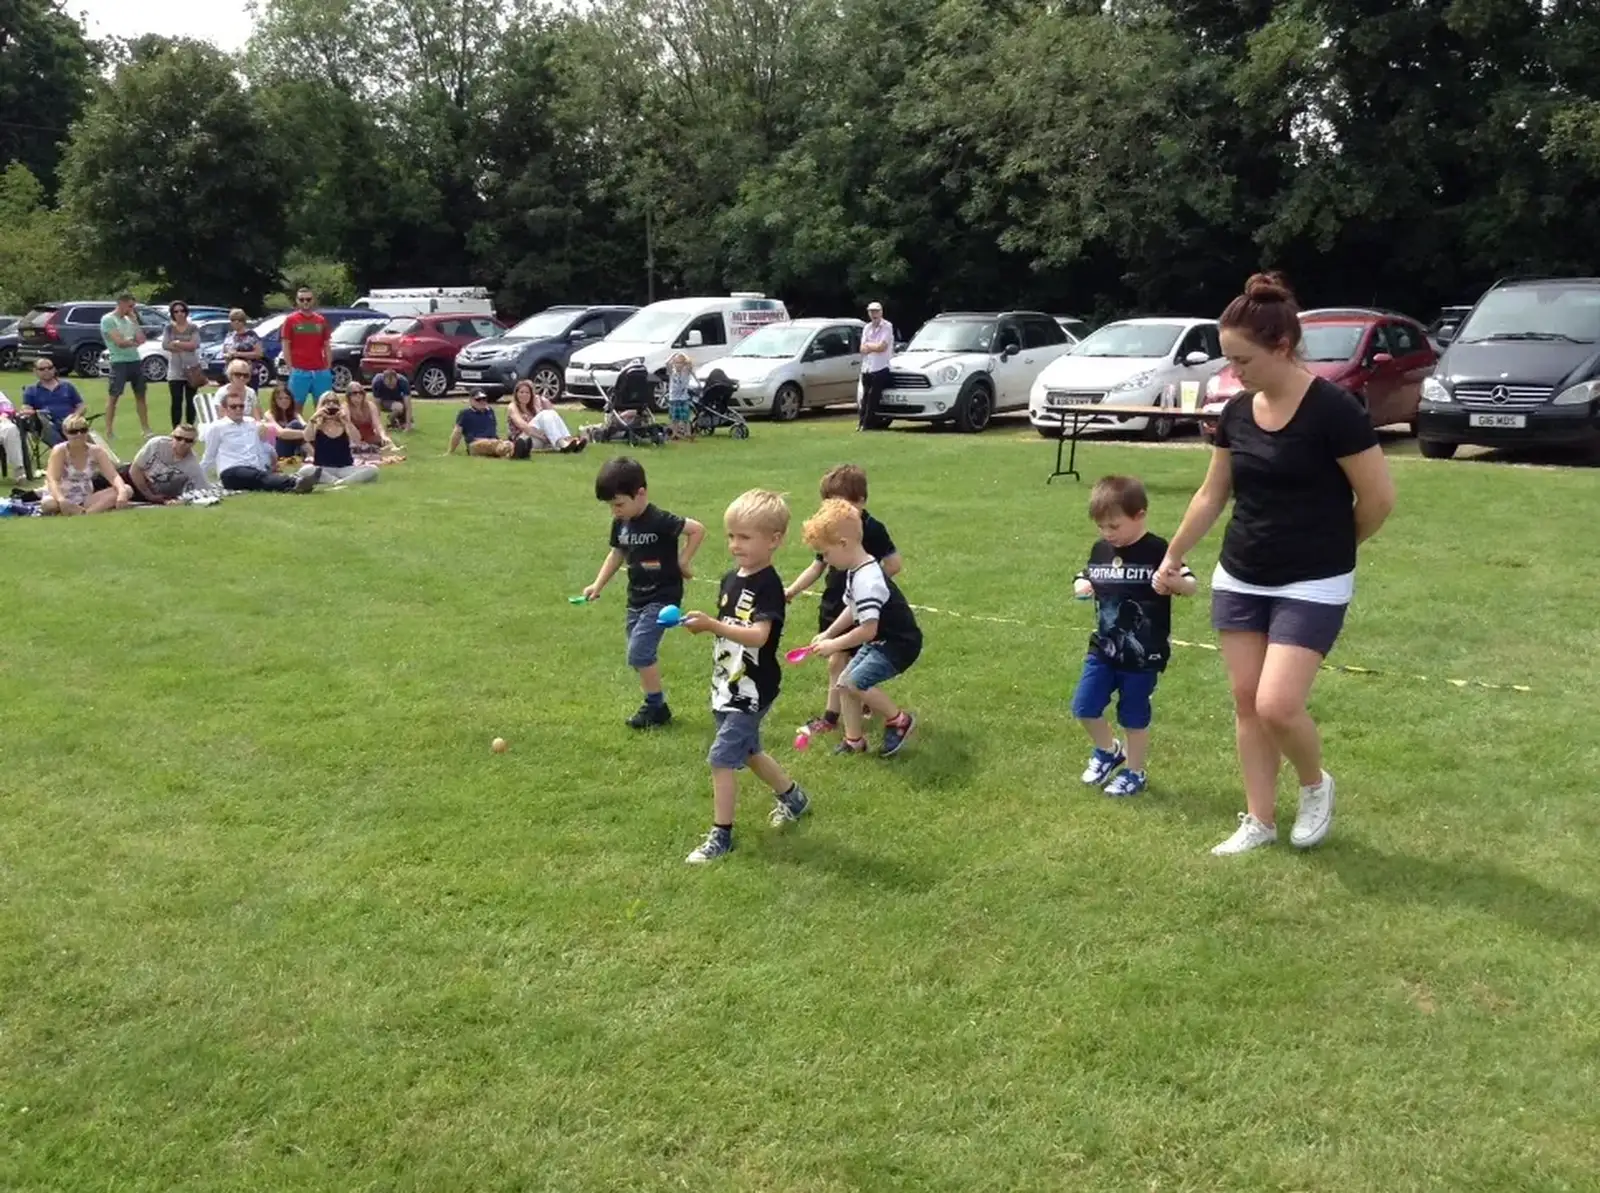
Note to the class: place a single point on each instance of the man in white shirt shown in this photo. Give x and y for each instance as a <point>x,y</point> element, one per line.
<point>234,457</point>
<point>877,346</point>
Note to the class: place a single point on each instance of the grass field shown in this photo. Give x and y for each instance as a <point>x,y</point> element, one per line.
<point>276,918</point>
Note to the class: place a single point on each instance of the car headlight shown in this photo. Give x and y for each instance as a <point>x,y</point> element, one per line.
<point>950,373</point>
<point>1137,381</point>
<point>1433,390</point>
<point>1580,394</point>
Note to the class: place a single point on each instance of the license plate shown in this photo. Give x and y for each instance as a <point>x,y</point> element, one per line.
<point>472,374</point>
<point>892,399</point>
<point>1497,420</point>
<point>380,349</point>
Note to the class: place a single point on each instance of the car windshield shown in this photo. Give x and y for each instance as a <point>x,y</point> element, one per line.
<point>403,326</point>
<point>1144,341</point>
<point>1331,341</point>
<point>546,325</point>
<point>271,325</point>
<point>651,327</point>
<point>354,331</point>
<point>1553,312</point>
<point>953,335</point>
<point>213,333</point>
<point>776,340</point>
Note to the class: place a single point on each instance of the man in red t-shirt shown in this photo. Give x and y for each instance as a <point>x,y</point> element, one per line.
<point>308,345</point>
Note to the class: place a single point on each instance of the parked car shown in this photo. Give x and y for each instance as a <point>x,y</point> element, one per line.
<point>1075,328</point>
<point>68,334</point>
<point>1379,356</point>
<point>1133,362</point>
<point>428,300</point>
<point>424,348</point>
<point>1443,328</point>
<point>537,349</point>
<point>784,368</point>
<point>10,340</point>
<point>964,367</point>
<point>198,314</point>
<point>1522,369</point>
<point>349,341</point>
<point>154,361</point>
<point>270,330</point>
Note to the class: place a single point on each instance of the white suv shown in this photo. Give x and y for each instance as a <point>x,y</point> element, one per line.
<point>965,367</point>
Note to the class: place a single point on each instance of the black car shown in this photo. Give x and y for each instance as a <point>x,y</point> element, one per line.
<point>68,334</point>
<point>348,342</point>
<point>10,340</point>
<point>1443,328</point>
<point>537,348</point>
<point>1523,369</point>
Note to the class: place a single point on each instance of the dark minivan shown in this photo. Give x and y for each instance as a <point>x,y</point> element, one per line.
<point>1522,370</point>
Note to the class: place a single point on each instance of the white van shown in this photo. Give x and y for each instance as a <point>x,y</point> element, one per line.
<point>454,300</point>
<point>701,328</point>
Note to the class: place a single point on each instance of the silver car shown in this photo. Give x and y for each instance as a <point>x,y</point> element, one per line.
<point>784,368</point>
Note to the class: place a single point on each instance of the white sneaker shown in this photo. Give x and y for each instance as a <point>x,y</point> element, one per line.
<point>1251,834</point>
<point>1315,817</point>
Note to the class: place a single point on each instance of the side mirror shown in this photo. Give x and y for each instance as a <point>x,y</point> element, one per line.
<point>1195,358</point>
<point>693,340</point>
<point>1445,334</point>
<point>1381,358</point>
<point>576,334</point>
<point>1010,350</point>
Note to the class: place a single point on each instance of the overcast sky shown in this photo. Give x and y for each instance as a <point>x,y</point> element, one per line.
<point>224,22</point>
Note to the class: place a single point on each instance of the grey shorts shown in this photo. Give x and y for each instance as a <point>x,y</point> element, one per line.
<point>738,737</point>
<point>644,635</point>
<point>125,373</point>
<point>1283,620</point>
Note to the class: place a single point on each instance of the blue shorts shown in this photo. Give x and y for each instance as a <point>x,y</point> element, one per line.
<point>1100,680</point>
<point>644,634</point>
<point>869,668</point>
<point>309,384</point>
<point>738,737</point>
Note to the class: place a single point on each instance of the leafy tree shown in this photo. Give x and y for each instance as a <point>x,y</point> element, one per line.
<point>37,259</point>
<point>47,68</point>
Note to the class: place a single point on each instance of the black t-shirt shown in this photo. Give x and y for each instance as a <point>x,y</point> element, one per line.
<point>1133,622</point>
<point>872,596</point>
<point>650,542</point>
<point>1293,508</point>
<point>745,680</point>
<point>876,542</point>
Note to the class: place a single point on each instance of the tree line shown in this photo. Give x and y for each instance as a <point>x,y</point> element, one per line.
<point>1073,156</point>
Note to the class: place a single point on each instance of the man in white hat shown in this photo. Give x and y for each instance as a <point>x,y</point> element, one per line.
<point>877,346</point>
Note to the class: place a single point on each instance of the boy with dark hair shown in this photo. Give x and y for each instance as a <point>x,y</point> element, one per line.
<point>1132,639</point>
<point>646,539</point>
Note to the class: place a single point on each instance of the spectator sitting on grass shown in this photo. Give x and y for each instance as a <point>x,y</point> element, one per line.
<point>476,425</point>
<point>534,418</point>
<point>291,435</point>
<point>75,465</point>
<point>366,420</point>
<point>237,448</point>
<point>333,438</point>
<point>393,392</point>
<point>52,400</point>
<point>165,468</point>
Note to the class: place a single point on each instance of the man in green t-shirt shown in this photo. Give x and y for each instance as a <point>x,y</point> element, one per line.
<point>123,335</point>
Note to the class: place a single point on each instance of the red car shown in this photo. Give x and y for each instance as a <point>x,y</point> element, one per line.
<point>424,347</point>
<point>1381,357</point>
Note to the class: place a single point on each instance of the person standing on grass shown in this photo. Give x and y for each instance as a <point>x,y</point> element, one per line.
<point>877,348</point>
<point>1301,461</point>
<point>182,346</point>
<point>241,342</point>
<point>123,334</point>
<point>308,346</point>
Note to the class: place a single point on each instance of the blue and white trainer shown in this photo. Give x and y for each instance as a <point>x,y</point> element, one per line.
<point>1102,763</point>
<point>718,843</point>
<point>789,808</point>
<point>1126,783</point>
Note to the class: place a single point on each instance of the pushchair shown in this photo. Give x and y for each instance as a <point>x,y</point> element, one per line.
<point>630,409</point>
<point>713,407</point>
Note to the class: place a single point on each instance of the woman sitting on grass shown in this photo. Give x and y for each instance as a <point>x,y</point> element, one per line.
<point>289,427</point>
<point>364,417</point>
<point>74,466</point>
<point>536,419</point>
<point>333,437</point>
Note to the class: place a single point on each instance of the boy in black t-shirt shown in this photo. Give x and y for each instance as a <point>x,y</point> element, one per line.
<point>876,618</point>
<point>646,539</point>
<point>745,674</point>
<point>847,482</point>
<point>1133,632</point>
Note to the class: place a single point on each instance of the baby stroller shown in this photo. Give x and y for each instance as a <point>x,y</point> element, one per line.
<point>630,409</point>
<point>713,407</point>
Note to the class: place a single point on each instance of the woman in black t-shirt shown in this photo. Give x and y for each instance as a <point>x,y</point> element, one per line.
<point>1301,461</point>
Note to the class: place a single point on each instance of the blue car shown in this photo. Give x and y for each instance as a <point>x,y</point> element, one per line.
<point>270,330</point>
<point>536,349</point>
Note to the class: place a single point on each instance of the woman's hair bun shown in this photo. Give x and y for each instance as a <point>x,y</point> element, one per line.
<point>1268,287</point>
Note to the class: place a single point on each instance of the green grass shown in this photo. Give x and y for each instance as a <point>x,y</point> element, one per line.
<point>276,918</point>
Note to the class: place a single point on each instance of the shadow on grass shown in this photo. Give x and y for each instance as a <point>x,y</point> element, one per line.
<point>869,867</point>
<point>1480,886</point>
<point>936,759</point>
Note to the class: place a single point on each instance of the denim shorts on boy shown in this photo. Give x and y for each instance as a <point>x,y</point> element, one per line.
<point>738,737</point>
<point>125,373</point>
<point>1284,620</point>
<point>644,635</point>
<point>1100,680</point>
<point>869,668</point>
<point>306,384</point>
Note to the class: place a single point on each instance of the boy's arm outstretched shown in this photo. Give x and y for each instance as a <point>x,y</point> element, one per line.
<point>693,534</point>
<point>805,579</point>
<point>754,635</point>
<point>608,569</point>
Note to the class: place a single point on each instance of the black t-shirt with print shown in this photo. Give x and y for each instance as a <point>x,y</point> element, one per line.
<point>742,679</point>
<point>1293,508</point>
<point>650,542</point>
<point>1133,622</point>
<point>874,597</point>
<point>876,542</point>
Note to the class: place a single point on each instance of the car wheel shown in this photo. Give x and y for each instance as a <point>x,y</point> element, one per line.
<point>1432,449</point>
<point>975,410</point>
<point>8,358</point>
<point>86,360</point>
<point>154,368</point>
<point>661,393</point>
<point>786,403</point>
<point>547,382</point>
<point>342,376</point>
<point>1160,429</point>
<point>433,380</point>
<point>260,374</point>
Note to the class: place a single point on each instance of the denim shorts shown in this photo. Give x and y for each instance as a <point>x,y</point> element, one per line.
<point>644,634</point>
<point>1284,620</point>
<point>125,373</point>
<point>1100,680</point>
<point>869,668</point>
<point>738,737</point>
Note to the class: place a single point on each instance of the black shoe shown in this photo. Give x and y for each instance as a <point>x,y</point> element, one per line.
<point>650,716</point>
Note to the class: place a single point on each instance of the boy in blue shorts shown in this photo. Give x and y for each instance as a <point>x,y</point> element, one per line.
<point>646,539</point>
<point>1132,639</point>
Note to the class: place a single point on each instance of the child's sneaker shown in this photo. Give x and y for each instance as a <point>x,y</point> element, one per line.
<point>649,716</point>
<point>718,842</point>
<point>1126,783</point>
<point>896,733</point>
<point>1102,763</point>
<point>818,726</point>
<point>859,746</point>
<point>1251,834</point>
<point>789,808</point>
<point>1315,818</point>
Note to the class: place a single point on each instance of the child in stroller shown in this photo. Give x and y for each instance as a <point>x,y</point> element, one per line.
<point>713,407</point>
<point>629,410</point>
